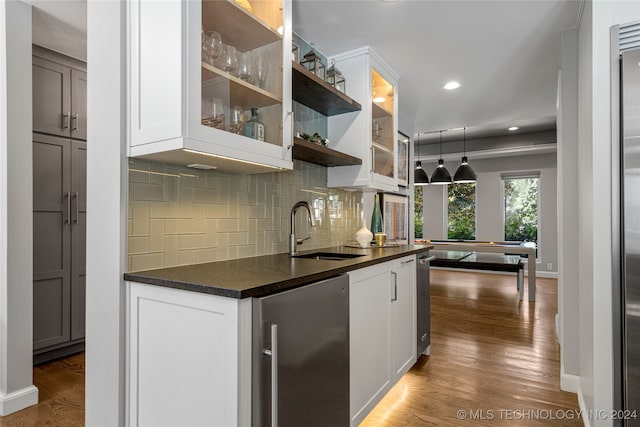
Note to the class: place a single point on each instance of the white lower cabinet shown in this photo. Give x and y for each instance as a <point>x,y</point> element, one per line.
<point>188,358</point>
<point>382,330</point>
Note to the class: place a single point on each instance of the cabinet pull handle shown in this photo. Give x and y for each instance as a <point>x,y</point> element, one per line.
<point>74,122</point>
<point>395,286</point>
<point>65,120</point>
<point>273,353</point>
<point>373,160</point>
<point>68,208</point>
<point>75,197</point>
<point>407,262</point>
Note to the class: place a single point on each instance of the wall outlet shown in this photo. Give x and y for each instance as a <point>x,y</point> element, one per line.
<point>549,266</point>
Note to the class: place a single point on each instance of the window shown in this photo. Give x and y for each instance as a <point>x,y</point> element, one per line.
<point>521,208</point>
<point>462,211</point>
<point>417,218</point>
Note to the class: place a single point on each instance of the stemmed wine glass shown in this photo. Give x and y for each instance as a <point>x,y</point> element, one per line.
<point>245,66</point>
<point>211,46</point>
<point>229,59</point>
<point>260,70</point>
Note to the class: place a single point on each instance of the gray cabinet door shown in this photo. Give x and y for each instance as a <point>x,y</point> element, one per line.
<point>78,104</point>
<point>51,240</point>
<point>78,236</point>
<point>51,97</point>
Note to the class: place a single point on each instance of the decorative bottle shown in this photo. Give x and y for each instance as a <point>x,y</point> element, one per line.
<point>364,236</point>
<point>376,219</point>
<point>254,128</point>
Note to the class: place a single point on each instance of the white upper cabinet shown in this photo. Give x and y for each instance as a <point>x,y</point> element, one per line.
<point>184,101</point>
<point>371,133</point>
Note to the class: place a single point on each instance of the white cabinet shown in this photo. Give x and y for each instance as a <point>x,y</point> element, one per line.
<point>188,358</point>
<point>403,317</point>
<point>382,330</point>
<point>371,133</point>
<point>171,84</point>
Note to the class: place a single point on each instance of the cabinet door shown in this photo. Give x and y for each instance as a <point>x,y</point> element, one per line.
<point>369,341</point>
<point>403,317</point>
<point>51,240</point>
<point>78,104</point>
<point>78,236</point>
<point>51,97</point>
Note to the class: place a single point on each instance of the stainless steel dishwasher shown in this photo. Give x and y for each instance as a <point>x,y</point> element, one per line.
<point>301,356</point>
<point>423,300</point>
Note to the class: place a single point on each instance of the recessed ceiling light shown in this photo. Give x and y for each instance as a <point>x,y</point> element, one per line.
<point>451,85</point>
<point>514,128</point>
<point>378,99</point>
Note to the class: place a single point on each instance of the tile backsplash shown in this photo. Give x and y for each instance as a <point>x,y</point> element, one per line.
<point>179,215</point>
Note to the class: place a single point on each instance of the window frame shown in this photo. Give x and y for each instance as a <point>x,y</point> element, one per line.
<point>524,175</point>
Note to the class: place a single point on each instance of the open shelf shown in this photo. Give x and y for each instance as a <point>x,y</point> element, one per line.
<point>242,93</point>
<point>321,155</point>
<point>232,22</point>
<point>313,92</point>
<point>379,112</point>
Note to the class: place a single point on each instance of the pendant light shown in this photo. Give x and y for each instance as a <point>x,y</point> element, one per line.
<point>464,174</point>
<point>441,175</point>
<point>420,177</point>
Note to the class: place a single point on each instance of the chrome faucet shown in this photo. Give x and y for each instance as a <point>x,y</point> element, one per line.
<point>293,241</point>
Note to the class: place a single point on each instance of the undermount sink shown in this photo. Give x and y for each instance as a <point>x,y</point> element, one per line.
<point>328,256</point>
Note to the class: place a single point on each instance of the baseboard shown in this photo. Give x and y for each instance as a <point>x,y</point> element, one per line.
<point>569,382</point>
<point>557,318</point>
<point>583,409</point>
<point>18,400</point>
<point>545,274</point>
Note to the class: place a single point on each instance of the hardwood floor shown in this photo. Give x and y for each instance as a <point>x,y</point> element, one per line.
<point>61,389</point>
<point>490,354</point>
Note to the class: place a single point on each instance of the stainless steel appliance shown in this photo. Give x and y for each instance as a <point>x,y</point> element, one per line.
<point>626,44</point>
<point>424,303</point>
<point>301,356</point>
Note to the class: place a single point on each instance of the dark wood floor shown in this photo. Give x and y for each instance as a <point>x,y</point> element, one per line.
<point>490,354</point>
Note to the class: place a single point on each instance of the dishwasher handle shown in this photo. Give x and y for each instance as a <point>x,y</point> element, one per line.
<point>426,260</point>
<point>273,353</point>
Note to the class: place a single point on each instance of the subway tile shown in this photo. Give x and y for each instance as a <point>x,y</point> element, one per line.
<point>156,235</point>
<point>228,224</point>
<point>138,245</point>
<point>205,255</point>
<point>140,219</point>
<point>186,257</point>
<point>146,261</point>
<point>150,192</point>
<point>192,241</point>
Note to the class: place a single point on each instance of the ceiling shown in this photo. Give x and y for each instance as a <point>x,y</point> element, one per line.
<point>505,54</point>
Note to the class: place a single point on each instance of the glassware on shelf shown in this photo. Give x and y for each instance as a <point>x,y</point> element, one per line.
<point>376,131</point>
<point>237,120</point>
<point>228,61</point>
<point>254,128</point>
<point>213,113</point>
<point>260,70</point>
<point>211,46</point>
<point>245,67</point>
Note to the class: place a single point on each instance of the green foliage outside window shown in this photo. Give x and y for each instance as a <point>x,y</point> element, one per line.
<point>521,209</point>
<point>462,211</point>
<point>417,220</point>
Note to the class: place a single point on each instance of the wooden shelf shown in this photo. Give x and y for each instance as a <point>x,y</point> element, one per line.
<point>315,93</point>
<point>242,93</point>
<point>379,112</point>
<point>320,155</point>
<point>237,26</point>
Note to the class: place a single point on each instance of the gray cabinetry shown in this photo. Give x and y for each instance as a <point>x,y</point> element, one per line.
<point>59,211</point>
<point>59,95</point>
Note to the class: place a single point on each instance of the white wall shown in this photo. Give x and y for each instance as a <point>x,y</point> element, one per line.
<point>106,222</point>
<point>16,206</point>
<point>52,30</point>
<point>489,213</point>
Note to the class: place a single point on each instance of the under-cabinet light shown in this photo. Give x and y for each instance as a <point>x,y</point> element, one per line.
<point>231,158</point>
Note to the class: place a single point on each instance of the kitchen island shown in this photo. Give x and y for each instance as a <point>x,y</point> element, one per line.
<point>191,338</point>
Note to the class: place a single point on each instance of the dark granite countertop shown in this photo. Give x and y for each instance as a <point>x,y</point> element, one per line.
<point>268,274</point>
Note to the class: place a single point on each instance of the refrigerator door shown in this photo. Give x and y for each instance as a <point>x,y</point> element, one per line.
<point>630,94</point>
<point>301,339</point>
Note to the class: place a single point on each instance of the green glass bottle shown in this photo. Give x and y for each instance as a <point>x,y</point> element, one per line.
<point>376,219</point>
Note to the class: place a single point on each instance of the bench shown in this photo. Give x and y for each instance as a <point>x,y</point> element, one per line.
<point>482,261</point>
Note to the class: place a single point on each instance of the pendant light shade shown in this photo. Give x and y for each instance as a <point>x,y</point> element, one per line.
<point>464,174</point>
<point>441,175</point>
<point>420,177</point>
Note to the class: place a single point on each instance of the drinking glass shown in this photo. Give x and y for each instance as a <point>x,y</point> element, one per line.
<point>213,113</point>
<point>211,46</point>
<point>229,59</point>
<point>245,67</point>
<point>237,120</point>
<point>260,70</point>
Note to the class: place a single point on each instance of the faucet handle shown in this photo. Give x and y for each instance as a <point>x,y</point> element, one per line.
<point>300,240</point>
